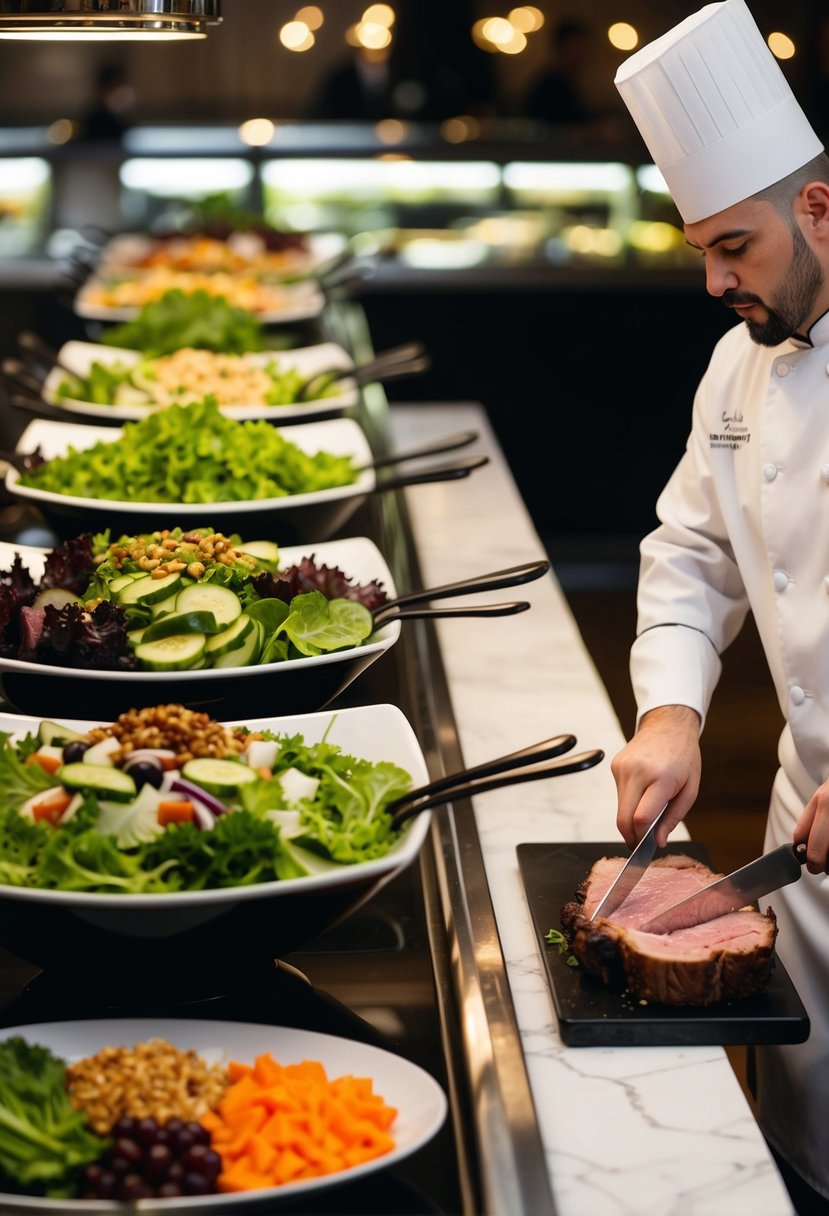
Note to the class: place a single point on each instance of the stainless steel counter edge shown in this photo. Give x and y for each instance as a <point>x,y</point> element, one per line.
<point>505,1155</point>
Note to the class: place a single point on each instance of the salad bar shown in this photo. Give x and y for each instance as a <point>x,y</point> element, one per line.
<point>211,826</point>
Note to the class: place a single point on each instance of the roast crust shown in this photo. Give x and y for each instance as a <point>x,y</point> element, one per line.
<point>621,958</point>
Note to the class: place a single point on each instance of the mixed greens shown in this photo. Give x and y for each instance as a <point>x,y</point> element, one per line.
<point>78,814</point>
<point>179,599</point>
<point>192,454</point>
<point>195,319</point>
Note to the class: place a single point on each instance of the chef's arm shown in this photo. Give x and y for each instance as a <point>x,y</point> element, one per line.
<point>660,764</point>
<point>813,828</point>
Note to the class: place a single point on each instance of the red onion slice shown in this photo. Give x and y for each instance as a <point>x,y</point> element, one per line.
<point>200,798</point>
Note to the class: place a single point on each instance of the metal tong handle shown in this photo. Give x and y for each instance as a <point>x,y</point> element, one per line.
<point>510,608</point>
<point>533,772</point>
<point>495,580</point>
<point>534,753</point>
<point>443,472</point>
<point>27,403</point>
<point>17,377</point>
<point>409,356</point>
<point>450,443</point>
<point>36,349</point>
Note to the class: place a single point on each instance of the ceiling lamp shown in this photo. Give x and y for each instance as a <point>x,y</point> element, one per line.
<point>90,20</point>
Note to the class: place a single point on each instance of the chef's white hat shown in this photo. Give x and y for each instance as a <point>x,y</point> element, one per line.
<point>715,110</point>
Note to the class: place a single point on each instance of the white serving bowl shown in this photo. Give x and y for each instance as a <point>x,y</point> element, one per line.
<point>293,686</point>
<point>196,941</point>
<point>418,1099</point>
<point>292,518</point>
<point>307,360</point>
<point>300,301</point>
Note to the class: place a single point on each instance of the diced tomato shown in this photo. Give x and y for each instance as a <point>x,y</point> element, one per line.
<point>52,806</point>
<point>180,811</point>
<point>49,764</point>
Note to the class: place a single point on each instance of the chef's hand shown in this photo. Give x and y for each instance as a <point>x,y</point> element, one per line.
<point>813,828</point>
<point>660,764</point>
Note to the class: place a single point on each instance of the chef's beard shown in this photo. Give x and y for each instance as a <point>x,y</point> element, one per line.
<point>793,300</point>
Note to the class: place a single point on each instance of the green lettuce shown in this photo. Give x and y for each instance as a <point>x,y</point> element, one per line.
<point>44,1140</point>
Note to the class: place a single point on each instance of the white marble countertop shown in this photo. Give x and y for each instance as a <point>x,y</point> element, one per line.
<point>631,1131</point>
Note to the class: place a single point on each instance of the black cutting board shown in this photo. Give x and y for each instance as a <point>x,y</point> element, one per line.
<point>592,1015</point>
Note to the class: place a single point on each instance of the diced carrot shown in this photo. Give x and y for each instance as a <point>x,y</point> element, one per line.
<point>280,1123</point>
<point>180,811</point>
<point>49,764</point>
<point>265,773</point>
<point>52,806</point>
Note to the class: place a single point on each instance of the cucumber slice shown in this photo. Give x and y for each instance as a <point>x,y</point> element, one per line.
<point>210,597</point>
<point>52,734</point>
<point>230,638</point>
<point>265,550</point>
<point>244,655</point>
<point>134,636</point>
<point>125,394</point>
<point>56,597</point>
<point>180,622</point>
<point>177,652</point>
<point>104,779</point>
<point>220,777</point>
<point>149,590</point>
<point>164,607</point>
<point>119,583</point>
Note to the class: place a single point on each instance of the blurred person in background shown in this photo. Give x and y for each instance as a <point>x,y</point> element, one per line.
<point>359,88</point>
<point>110,114</point>
<point>556,96</point>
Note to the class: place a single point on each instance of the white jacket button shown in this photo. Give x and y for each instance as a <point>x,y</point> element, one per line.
<point>769,472</point>
<point>824,472</point>
<point>780,579</point>
<point>783,369</point>
<point>797,695</point>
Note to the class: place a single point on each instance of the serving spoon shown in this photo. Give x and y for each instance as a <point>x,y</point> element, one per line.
<point>533,763</point>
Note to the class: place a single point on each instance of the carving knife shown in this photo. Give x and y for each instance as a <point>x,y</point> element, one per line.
<point>631,871</point>
<point>767,873</point>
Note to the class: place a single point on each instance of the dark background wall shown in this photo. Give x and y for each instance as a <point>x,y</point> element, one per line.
<point>240,70</point>
<point>589,390</point>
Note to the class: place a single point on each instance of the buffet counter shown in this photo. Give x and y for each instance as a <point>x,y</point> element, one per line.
<point>639,1130</point>
<point>442,965</point>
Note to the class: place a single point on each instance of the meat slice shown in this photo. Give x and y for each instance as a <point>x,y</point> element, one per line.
<point>729,958</point>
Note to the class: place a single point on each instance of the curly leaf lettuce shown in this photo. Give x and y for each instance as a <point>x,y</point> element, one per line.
<point>192,454</point>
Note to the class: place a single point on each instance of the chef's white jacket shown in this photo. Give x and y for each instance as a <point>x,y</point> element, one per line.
<point>744,524</point>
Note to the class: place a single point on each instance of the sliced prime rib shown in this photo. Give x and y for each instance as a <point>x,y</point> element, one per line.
<point>728,958</point>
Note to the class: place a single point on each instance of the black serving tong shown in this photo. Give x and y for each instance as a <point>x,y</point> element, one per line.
<point>510,608</point>
<point>39,355</point>
<point>343,277</point>
<point>533,763</point>
<point>405,606</point>
<point>437,447</point>
<point>392,364</point>
<point>441,472</point>
<point>18,379</point>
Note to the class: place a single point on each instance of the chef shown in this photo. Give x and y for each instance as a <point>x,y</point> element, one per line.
<point>744,518</point>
